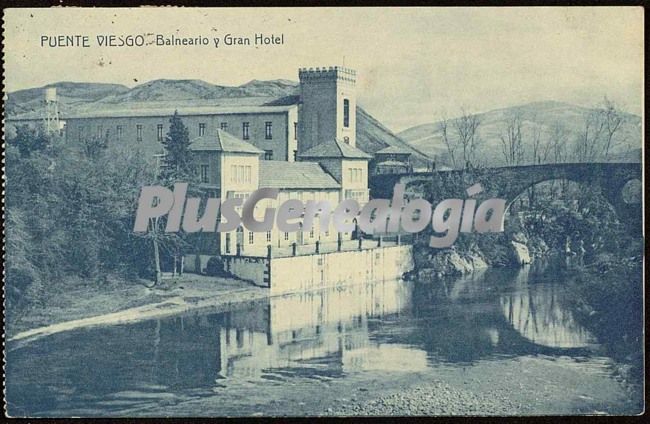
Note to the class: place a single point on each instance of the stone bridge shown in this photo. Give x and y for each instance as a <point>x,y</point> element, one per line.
<point>511,181</point>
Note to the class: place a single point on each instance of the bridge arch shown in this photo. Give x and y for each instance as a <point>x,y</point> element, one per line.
<point>510,182</point>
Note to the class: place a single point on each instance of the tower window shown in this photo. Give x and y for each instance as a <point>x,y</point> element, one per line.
<point>204,174</point>
<point>295,155</point>
<point>251,237</point>
<point>100,131</point>
<point>268,236</point>
<point>245,130</point>
<point>346,139</point>
<point>224,126</point>
<point>346,113</point>
<point>268,130</point>
<point>119,132</point>
<point>201,129</point>
<point>138,129</point>
<point>286,236</point>
<point>160,132</point>
<point>295,131</point>
<point>268,154</point>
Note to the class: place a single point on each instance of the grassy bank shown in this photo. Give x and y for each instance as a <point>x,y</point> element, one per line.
<point>74,300</point>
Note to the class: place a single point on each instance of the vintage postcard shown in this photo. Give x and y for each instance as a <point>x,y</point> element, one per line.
<point>221,212</point>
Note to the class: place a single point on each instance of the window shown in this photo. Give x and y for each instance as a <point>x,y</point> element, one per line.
<point>295,155</point>
<point>356,175</point>
<point>251,237</point>
<point>204,173</point>
<point>268,130</point>
<point>311,233</point>
<point>268,154</point>
<point>295,131</point>
<point>224,126</point>
<point>227,242</point>
<point>201,129</point>
<point>346,140</point>
<point>286,236</point>
<point>100,131</point>
<point>160,132</point>
<point>268,236</point>
<point>245,128</point>
<point>138,129</point>
<point>346,113</point>
<point>241,173</point>
<point>119,132</point>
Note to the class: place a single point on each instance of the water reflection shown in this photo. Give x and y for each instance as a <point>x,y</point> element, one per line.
<point>535,312</point>
<point>389,326</point>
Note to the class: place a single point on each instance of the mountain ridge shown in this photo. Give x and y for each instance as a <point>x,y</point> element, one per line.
<point>371,134</point>
<point>539,116</point>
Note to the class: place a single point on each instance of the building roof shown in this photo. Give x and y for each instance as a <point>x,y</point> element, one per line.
<point>334,148</point>
<point>392,163</point>
<point>295,175</point>
<point>222,141</point>
<point>126,112</point>
<point>393,150</point>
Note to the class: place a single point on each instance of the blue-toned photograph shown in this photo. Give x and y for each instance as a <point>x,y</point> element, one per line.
<point>318,212</point>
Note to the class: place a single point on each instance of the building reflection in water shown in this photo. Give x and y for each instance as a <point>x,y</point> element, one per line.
<point>306,327</point>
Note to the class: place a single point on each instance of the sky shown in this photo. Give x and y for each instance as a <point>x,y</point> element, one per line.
<point>414,65</point>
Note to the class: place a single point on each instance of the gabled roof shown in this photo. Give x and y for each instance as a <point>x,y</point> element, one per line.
<point>334,148</point>
<point>393,150</point>
<point>292,175</point>
<point>222,141</point>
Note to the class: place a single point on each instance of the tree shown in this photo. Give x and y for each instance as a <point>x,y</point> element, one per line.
<point>451,146</point>
<point>30,140</point>
<point>177,163</point>
<point>177,167</point>
<point>613,119</point>
<point>467,129</point>
<point>558,142</point>
<point>463,145</point>
<point>541,147</point>
<point>512,140</point>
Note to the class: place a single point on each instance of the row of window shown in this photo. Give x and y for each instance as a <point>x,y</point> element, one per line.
<point>356,175</point>
<point>268,130</point>
<point>241,173</point>
<point>251,237</point>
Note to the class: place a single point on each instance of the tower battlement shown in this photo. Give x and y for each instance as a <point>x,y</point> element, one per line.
<point>328,73</point>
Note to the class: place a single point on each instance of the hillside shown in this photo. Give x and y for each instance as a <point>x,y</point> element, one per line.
<point>71,95</point>
<point>82,97</point>
<point>538,116</point>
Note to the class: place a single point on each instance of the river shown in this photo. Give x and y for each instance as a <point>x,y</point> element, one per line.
<point>502,341</point>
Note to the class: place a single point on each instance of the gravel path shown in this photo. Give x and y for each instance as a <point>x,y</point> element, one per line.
<point>435,398</point>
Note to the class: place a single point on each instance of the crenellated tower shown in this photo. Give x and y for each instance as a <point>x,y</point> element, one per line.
<point>328,105</point>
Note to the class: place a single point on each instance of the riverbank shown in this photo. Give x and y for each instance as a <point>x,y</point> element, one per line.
<point>531,385</point>
<point>116,301</point>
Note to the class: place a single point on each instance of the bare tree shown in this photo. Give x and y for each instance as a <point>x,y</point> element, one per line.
<point>558,142</point>
<point>512,140</point>
<point>451,145</point>
<point>613,120</point>
<point>587,147</point>
<point>541,147</point>
<point>466,127</point>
